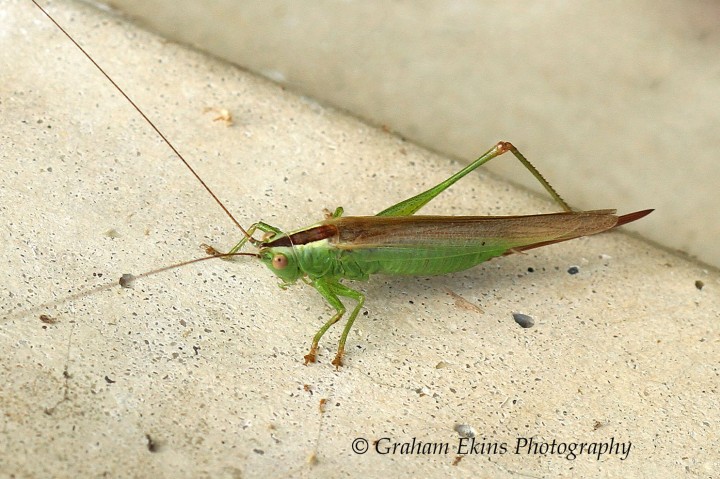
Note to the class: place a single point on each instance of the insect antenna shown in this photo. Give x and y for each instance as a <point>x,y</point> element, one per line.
<point>125,281</point>
<point>137,108</point>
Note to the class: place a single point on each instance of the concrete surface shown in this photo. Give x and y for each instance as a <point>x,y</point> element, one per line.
<point>618,100</point>
<point>198,372</point>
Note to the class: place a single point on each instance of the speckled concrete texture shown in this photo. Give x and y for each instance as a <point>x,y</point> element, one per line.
<point>618,98</point>
<point>198,372</point>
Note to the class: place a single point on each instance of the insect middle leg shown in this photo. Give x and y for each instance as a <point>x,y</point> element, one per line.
<point>330,290</point>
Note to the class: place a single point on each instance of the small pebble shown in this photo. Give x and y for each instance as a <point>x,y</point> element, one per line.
<point>465,430</point>
<point>524,320</point>
<point>126,280</point>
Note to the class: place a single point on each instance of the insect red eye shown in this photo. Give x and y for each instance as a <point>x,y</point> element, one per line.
<point>280,261</point>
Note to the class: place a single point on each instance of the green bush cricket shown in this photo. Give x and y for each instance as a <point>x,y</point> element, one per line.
<point>395,241</point>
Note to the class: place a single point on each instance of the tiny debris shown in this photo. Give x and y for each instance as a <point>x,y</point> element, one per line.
<point>112,233</point>
<point>152,445</point>
<point>423,391</point>
<point>463,303</point>
<point>524,320</point>
<point>312,459</point>
<point>573,270</point>
<point>126,280</point>
<point>223,115</point>
<point>109,381</point>
<point>465,430</point>
<point>699,284</point>
<point>47,319</point>
<point>457,460</point>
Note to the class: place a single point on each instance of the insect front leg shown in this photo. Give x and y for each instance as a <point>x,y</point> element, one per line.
<point>336,214</point>
<point>330,290</point>
<point>264,227</point>
<point>411,205</point>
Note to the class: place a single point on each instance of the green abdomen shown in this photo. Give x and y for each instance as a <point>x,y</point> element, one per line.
<point>322,259</point>
<point>418,262</point>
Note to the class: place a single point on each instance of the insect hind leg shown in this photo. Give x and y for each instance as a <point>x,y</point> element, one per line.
<point>411,205</point>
